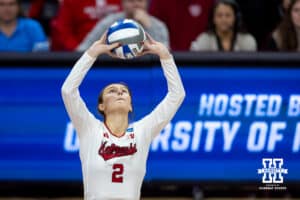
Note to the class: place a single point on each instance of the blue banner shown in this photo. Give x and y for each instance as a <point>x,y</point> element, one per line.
<point>231,119</point>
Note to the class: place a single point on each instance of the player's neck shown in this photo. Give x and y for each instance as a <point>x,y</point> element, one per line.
<point>117,123</point>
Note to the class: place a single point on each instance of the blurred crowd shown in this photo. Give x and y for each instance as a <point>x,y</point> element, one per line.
<point>182,25</point>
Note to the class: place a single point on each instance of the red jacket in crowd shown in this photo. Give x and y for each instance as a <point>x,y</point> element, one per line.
<point>36,7</point>
<point>75,20</point>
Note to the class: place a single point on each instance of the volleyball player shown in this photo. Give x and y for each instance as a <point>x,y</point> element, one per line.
<point>113,153</point>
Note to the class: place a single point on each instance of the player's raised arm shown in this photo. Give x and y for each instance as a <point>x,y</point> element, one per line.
<point>164,112</point>
<point>74,104</point>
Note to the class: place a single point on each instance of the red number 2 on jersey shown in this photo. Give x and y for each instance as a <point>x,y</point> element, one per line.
<point>117,175</point>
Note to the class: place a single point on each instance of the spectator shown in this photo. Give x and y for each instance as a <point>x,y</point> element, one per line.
<point>18,33</point>
<point>225,31</point>
<point>284,6</point>
<point>261,17</point>
<point>287,36</point>
<point>43,11</point>
<point>75,19</point>
<point>185,19</point>
<point>132,9</point>
<point>36,8</point>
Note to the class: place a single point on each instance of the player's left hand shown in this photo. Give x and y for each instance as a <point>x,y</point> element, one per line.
<point>152,46</point>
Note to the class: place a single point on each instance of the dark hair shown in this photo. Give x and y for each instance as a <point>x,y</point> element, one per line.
<point>21,11</point>
<point>100,97</point>
<point>238,23</point>
<point>287,32</point>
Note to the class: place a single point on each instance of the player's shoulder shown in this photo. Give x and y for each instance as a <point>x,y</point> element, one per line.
<point>137,126</point>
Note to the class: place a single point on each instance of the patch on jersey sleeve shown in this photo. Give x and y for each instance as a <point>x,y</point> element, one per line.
<point>129,129</point>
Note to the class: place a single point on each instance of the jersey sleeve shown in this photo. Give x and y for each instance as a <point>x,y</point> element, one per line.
<point>79,114</point>
<point>154,122</point>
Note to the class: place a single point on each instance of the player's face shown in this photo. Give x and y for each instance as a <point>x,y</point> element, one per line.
<point>8,10</point>
<point>116,98</point>
<point>295,14</point>
<point>130,6</point>
<point>224,18</point>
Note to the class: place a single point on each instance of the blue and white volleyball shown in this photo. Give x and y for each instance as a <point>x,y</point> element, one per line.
<point>130,35</point>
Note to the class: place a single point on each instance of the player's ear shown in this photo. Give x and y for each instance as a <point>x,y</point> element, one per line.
<point>101,107</point>
<point>130,108</point>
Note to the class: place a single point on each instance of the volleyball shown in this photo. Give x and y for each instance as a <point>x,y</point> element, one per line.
<point>130,34</point>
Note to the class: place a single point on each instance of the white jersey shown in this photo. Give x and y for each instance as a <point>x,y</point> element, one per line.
<point>114,167</point>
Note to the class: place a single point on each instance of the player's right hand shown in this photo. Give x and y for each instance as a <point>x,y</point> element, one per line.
<point>101,47</point>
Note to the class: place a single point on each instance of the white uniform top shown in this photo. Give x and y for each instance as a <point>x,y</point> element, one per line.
<point>114,167</point>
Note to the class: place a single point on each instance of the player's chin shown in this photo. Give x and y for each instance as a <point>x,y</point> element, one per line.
<point>121,105</point>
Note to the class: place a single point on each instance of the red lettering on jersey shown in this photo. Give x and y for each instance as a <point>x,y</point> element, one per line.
<point>113,151</point>
<point>105,135</point>
<point>131,135</point>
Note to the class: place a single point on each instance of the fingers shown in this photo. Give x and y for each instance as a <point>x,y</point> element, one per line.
<point>103,38</point>
<point>145,52</point>
<point>150,38</point>
<point>113,45</point>
<point>112,54</point>
<point>147,45</point>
